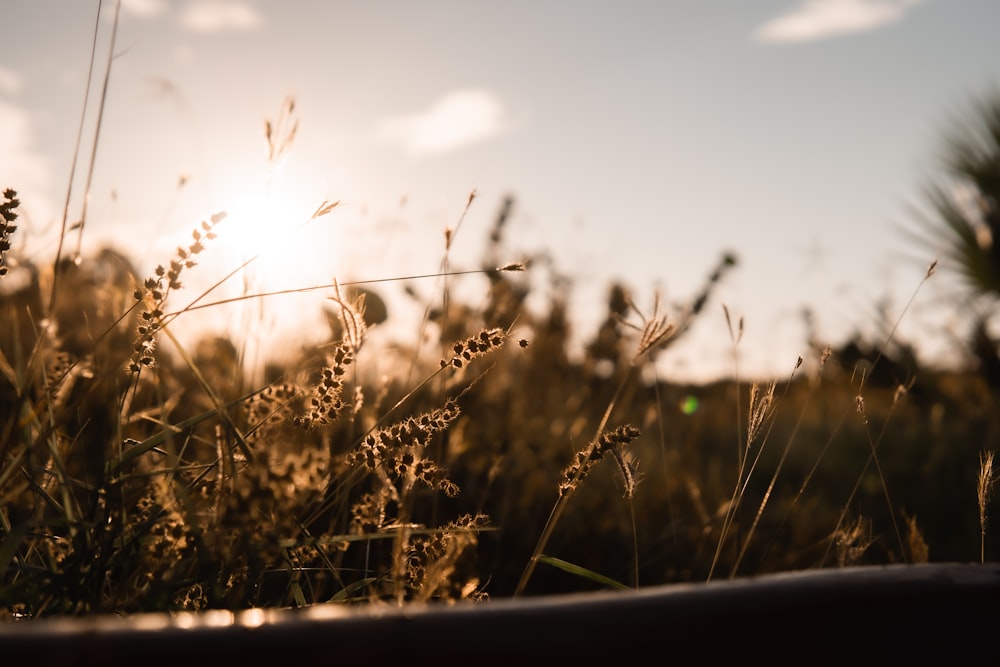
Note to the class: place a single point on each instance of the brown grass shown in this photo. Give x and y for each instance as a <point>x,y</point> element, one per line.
<point>137,473</point>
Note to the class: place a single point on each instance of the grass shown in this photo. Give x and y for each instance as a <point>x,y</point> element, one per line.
<point>138,474</point>
<point>138,478</point>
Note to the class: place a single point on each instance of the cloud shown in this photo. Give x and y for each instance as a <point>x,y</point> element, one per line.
<point>457,120</point>
<point>219,16</point>
<point>21,168</point>
<point>10,82</point>
<point>819,19</point>
<point>145,8</point>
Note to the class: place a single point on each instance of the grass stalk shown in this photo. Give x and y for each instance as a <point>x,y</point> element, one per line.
<point>984,490</point>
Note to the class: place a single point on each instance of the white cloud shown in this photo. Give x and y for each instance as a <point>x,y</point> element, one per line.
<point>21,168</point>
<point>145,8</point>
<point>10,82</point>
<point>457,120</point>
<point>219,16</point>
<point>819,19</point>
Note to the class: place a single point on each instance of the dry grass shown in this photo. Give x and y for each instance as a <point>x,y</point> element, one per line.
<point>135,477</point>
<point>137,474</point>
<point>984,491</point>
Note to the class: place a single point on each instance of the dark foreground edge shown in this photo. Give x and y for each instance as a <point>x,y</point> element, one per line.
<point>944,614</point>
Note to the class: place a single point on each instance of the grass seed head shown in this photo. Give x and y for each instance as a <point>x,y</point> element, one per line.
<point>8,218</point>
<point>614,441</point>
<point>475,347</point>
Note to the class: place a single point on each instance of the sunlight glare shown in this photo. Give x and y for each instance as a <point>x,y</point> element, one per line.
<point>272,233</point>
<point>265,228</point>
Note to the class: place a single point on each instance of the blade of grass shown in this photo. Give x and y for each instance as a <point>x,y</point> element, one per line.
<point>583,572</point>
<point>140,448</point>
<point>221,409</point>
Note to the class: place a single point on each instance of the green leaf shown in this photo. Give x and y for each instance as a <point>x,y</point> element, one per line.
<point>583,572</point>
<point>344,595</point>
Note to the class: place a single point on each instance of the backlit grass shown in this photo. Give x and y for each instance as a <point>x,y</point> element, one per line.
<point>141,472</point>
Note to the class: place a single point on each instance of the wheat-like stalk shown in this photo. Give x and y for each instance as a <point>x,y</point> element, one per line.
<point>984,490</point>
<point>153,293</point>
<point>8,224</point>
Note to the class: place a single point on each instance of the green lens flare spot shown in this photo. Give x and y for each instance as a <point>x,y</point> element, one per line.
<point>689,405</point>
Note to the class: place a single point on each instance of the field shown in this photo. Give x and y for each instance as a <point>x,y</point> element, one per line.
<point>494,458</point>
<point>138,475</point>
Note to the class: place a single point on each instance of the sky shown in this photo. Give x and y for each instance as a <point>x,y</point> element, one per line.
<point>639,141</point>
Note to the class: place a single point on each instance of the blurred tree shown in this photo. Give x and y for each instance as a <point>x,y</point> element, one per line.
<point>962,219</point>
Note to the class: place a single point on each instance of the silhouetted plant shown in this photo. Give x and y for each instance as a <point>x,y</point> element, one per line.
<point>962,222</point>
<point>965,202</point>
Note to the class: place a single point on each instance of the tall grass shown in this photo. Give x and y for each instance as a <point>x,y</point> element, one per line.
<point>139,472</point>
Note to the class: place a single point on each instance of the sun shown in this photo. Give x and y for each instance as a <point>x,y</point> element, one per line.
<point>263,273</point>
<point>261,228</point>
